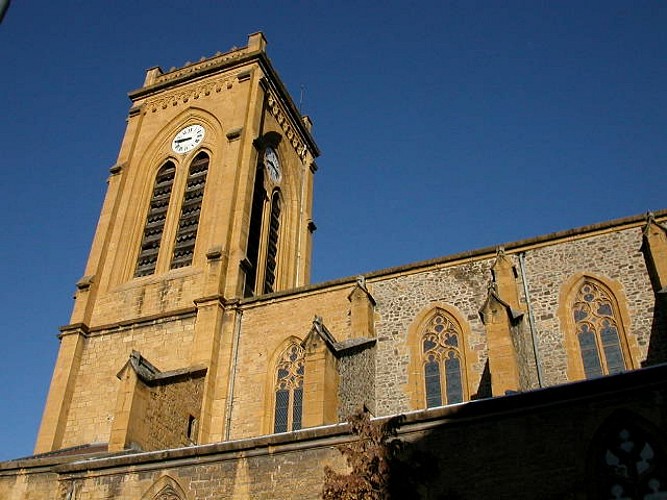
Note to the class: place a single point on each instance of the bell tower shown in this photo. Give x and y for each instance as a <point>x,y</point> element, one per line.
<point>210,201</point>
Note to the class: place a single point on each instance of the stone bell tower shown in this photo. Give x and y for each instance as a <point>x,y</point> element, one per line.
<point>210,201</point>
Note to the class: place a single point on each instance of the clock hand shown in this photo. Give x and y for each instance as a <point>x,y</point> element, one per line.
<point>178,141</point>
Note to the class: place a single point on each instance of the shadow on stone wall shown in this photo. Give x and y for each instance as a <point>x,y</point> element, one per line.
<point>573,441</point>
<point>657,347</point>
<point>484,387</point>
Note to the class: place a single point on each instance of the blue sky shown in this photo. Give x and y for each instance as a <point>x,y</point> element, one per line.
<point>444,126</point>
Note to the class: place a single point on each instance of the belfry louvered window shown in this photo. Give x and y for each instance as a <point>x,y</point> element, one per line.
<point>155,220</point>
<point>272,244</point>
<point>255,232</point>
<point>188,222</point>
<point>288,408</point>
<point>442,355</point>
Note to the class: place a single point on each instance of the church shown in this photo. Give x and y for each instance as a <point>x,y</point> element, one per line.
<point>200,362</point>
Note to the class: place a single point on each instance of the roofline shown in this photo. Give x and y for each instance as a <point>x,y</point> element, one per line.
<point>476,254</point>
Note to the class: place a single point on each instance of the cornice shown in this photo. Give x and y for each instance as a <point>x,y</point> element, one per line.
<point>127,324</point>
<point>292,133</point>
<point>189,93</point>
<point>276,88</point>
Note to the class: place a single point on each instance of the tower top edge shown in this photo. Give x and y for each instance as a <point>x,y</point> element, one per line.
<point>157,78</point>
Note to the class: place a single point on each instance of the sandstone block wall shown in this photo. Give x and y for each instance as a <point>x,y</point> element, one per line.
<point>149,296</point>
<point>165,343</point>
<point>266,328</point>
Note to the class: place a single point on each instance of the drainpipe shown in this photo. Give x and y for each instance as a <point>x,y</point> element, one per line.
<point>232,375</point>
<point>304,173</point>
<point>531,319</point>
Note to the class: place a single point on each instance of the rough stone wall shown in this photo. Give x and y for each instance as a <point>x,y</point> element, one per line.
<point>525,355</point>
<point>400,299</point>
<point>357,382</point>
<point>614,255</point>
<point>166,344</point>
<point>167,416</point>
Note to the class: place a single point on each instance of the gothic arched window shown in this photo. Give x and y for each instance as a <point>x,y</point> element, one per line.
<point>288,390</point>
<point>155,220</point>
<point>188,222</point>
<point>272,244</point>
<point>598,330</point>
<point>442,361</point>
<point>254,231</point>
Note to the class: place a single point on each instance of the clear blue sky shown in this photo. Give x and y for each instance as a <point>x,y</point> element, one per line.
<point>445,126</point>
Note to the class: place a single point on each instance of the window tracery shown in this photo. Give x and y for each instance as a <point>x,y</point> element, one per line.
<point>597,330</point>
<point>288,406</point>
<point>442,360</point>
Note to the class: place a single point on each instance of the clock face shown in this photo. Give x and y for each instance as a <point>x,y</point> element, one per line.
<point>188,139</point>
<point>272,164</point>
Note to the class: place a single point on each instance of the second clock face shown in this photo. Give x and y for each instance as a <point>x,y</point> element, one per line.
<point>188,139</point>
<point>272,164</point>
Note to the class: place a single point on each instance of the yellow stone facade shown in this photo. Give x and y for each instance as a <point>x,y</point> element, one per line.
<point>184,316</point>
<point>196,354</point>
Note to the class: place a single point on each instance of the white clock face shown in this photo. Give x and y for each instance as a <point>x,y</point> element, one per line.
<point>272,164</point>
<point>188,139</point>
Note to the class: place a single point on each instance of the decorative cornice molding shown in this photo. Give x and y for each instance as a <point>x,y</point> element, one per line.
<point>291,132</point>
<point>190,93</point>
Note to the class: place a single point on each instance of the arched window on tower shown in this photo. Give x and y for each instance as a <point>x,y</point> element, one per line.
<point>598,330</point>
<point>288,389</point>
<point>155,220</point>
<point>254,232</point>
<point>272,244</point>
<point>188,222</point>
<point>442,361</point>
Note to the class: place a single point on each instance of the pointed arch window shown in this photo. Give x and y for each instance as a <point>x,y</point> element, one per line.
<point>442,361</point>
<point>288,390</point>
<point>155,220</point>
<point>598,330</point>
<point>272,244</point>
<point>188,222</point>
<point>254,232</point>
